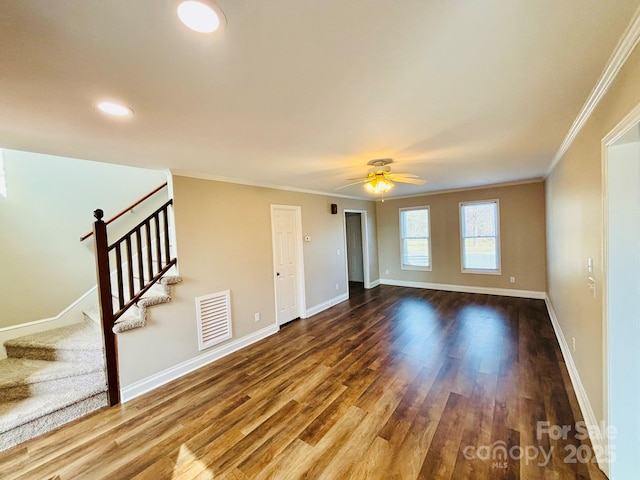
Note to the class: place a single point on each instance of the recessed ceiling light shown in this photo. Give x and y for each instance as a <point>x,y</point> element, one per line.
<point>116,109</point>
<point>201,16</point>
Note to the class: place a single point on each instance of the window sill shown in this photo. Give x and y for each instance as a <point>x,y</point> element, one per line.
<point>416,268</point>
<point>482,272</point>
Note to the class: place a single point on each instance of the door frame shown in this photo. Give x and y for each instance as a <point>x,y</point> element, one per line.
<point>365,246</point>
<point>628,122</point>
<point>302,309</point>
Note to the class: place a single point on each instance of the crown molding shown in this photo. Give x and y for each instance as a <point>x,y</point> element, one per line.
<point>467,189</point>
<point>623,49</point>
<point>250,183</point>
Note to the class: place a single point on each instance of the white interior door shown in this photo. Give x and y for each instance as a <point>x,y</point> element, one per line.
<point>285,245</point>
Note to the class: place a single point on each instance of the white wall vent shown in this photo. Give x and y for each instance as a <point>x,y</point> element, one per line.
<point>214,318</point>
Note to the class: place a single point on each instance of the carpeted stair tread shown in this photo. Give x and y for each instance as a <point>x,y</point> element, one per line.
<point>45,423</point>
<point>158,293</point>
<point>171,279</point>
<point>135,317</point>
<point>18,412</point>
<point>23,371</point>
<point>81,336</point>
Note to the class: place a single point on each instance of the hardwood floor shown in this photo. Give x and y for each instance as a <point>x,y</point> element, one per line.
<point>395,383</point>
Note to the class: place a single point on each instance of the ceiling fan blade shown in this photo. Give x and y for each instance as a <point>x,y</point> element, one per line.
<point>408,175</point>
<point>414,181</point>
<point>362,180</point>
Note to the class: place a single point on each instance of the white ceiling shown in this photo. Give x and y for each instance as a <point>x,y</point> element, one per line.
<point>303,93</point>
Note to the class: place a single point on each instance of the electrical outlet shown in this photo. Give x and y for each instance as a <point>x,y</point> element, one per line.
<point>338,251</point>
<point>573,343</point>
<point>257,316</point>
<point>337,286</point>
<point>386,272</point>
<point>512,279</point>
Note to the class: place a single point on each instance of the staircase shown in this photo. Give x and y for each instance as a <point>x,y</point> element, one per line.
<point>54,377</point>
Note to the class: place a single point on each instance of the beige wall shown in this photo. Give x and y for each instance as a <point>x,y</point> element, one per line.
<point>575,231</point>
<point>522,235</point>
<point>224,242</point>
<point>43,265</point>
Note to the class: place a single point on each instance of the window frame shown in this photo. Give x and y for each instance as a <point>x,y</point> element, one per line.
<point>404,266</point>
<point>482,271</point>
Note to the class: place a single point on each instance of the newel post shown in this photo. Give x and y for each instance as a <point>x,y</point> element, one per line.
<point>106,306</point>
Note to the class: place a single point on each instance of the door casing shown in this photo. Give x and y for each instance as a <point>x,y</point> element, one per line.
<point>365,246</point>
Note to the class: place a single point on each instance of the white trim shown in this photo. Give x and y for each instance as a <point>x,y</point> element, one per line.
<point>154,381</point>
<point>605,292</point>
<point>505,292</point>
<point>252,183</point>
<point>374,284</point>
<point>467,189</point>
<point>629,121</point>
<point>365,245</point>
<point>300,287</point>
<point>589,416</point>
<point>623,49</point>
<point>51,319</point>
<point>325,305</point>
<point>69,316</point>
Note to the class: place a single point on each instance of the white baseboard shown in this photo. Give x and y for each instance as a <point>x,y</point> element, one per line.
<point>505,292</point>
<point>70,315</point>
<point>597,440</point>
<point>145,385</point>
<point>374,284</point>
<point>328,304</point>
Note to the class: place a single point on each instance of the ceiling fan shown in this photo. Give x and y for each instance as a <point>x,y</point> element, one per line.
<point>380,179</point>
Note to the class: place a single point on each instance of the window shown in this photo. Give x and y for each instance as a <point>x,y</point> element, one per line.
<point>415,238</point>
<point>480,232</point>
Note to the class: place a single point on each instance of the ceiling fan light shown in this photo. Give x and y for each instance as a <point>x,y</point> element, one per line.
<point>378,185</point>
<point>383,186</point>
<point>200,16</point>
<point>114,109</point>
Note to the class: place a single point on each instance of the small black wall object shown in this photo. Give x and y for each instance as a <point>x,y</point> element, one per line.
<point>334,208</point>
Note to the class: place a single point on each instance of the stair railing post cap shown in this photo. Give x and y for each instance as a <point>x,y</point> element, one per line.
<point>98,214</point>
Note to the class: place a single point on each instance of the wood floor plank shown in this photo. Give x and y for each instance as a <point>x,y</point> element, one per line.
<point>395,384</point>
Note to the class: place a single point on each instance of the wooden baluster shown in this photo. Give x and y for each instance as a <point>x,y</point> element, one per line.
<point>101,248</point>
<point>147,224</point>
<point>156,219</point>
<point>167,253</point>
<point>130,267</point>
<point>119,276</point>
<point>140,258</point>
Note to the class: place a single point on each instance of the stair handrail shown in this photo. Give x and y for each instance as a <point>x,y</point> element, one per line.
<point>128,209</point>
<point>156,242</point>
